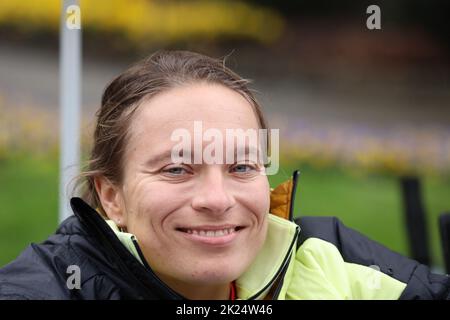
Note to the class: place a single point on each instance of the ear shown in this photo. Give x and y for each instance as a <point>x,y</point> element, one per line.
<point>112,200</point>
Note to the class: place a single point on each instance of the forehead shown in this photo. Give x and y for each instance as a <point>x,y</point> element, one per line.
<point>214,105</point>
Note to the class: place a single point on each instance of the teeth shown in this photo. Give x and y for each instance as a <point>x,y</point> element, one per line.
<point>211,233</point>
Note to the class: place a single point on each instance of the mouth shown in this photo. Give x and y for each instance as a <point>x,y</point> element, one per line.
<point>209,231</point>
<point>211,235</point>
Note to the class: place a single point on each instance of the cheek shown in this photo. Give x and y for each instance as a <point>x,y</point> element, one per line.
<point>256,196</point>
<point>148,204</point>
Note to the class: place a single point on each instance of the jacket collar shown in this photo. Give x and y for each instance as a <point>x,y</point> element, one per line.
<point>139,280</point>
<point>267,267</point>
<point>272,260</point>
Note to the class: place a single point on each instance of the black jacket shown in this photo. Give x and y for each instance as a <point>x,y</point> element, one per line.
<point>109,271</point>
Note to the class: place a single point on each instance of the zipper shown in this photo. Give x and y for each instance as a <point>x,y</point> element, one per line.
<point>132,276</point>
<point>149,269</point>
<point>92,224</point>
<point>295,175</point>
<point>294,189</point>
<point>276,293</point>
<point>280,270</point>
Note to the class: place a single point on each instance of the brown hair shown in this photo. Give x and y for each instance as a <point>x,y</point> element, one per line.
<point>155,74</point>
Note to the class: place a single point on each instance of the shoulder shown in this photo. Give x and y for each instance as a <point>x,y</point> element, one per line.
<point>43,271</point>
<point>322,273</point>
<point>355,248</point>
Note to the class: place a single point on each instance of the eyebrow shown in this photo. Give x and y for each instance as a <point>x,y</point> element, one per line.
<point>246,150</point>
<point>153,161</point>
<point>159,158</point>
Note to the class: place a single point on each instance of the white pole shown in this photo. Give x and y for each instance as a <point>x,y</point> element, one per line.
<point>70,98</point>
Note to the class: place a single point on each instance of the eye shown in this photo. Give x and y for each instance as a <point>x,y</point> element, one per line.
<point>175,171</point>
<point>243,168</point>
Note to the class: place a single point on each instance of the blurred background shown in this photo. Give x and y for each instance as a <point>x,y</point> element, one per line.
<point>363,114</point>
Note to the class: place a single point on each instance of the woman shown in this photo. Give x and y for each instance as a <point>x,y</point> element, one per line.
<point>153,228</point>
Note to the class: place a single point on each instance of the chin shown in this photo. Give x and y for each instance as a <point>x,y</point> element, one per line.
<point>218,274</point>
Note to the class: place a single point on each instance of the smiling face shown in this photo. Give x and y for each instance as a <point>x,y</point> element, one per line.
<point>197,224</point>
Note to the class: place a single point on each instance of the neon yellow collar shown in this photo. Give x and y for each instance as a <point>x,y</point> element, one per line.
<point>259,277</point>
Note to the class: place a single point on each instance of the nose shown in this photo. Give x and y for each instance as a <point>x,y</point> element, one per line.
<point>212,196</point>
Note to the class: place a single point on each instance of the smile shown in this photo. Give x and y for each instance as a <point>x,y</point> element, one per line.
<point>211,235</point>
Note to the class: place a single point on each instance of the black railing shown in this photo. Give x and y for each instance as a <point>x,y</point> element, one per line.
<point>444,228</point>
<point>416,223</point>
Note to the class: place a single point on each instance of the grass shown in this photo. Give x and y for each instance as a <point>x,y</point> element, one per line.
<point>370,204</point>
<point>28,198</point>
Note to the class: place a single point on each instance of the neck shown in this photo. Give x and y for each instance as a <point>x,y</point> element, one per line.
<point>199,292</point>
